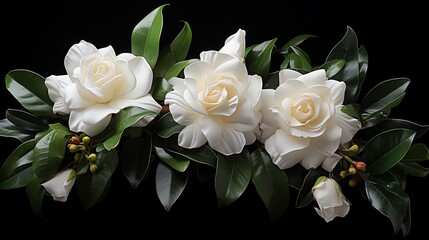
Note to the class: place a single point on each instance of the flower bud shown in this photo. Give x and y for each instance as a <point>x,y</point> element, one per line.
<point>86,140</point>
<point>352,170</point>
<point>343,174</point>
<point>72,147</point>
<point>353,149</point>
<point>74,140</point>
<point>93,167</point>
<point>92,157</point>
<point>360,166</point>
<point>353,182</point>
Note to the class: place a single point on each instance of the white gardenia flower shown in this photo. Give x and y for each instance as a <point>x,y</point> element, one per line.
<point>100,84</point>
<point>302,121</point>
<point>58,186</point>
<point>330,199</point>
<point>217,101</point>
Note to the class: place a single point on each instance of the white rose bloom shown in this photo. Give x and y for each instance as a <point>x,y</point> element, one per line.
<point>330,199</point>
<point>217,101</point>
<point>302,121</point>
<point>58,186</point>
<point>100,84</point>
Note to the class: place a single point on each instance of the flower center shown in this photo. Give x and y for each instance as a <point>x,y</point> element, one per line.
<point>303,110</point>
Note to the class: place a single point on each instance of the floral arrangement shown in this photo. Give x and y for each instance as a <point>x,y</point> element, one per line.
<point>231,115</point>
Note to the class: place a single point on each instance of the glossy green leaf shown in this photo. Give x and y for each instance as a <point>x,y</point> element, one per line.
<point>204,154</point>
<point>271,183</point>
<point>177,162</point>
<point>48,154</point>
<point>386,149</point>
<point>352,110</point>
<point>174,70</point>
<point>146,36</point>
<point>258,60</point>
<point>385,95</point>
<point>92,186</point>
<point>169,185</point>
<point>417,153</point>
<point>285,62</point>
<point>35,193</point>
<point>136,158</point>
<point>161,88</point>
<point>167,127</point>
<point>82,166</point>
<point>233,174</point>
<point>26,121</point>
<point>59,127</point>
<point>296,176</point>
<point>296,41</point>
<point>393,123</point>
<point>363,67</point>
<point>374,120</point>
<point>29,89</point>
<point>8,129</point>
<point>347,49</point>
<point>204,172</point>
<point>332,67</point>
<point>305,195</point>
<point>123,119</point>
<point>413,169</point>
<point>298,63</point>
<point>271,81</point>
<point>391,202</point>
<point>303,56</point>
<point>21,156</point>
<point>175,52</point>
<point>18,179</point>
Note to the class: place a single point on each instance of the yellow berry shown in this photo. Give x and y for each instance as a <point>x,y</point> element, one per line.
<point>352,170</point>
<point>73,147</point>
<point>343,174</point>
<point>353,182</point>
<point>93,167</point>
<point>86,140</point>
<point>92,157</point>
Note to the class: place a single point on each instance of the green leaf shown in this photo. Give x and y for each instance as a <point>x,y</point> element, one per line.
<point>258,60</point>
<point>271,81</point>
<point>26,121</point>
<point>233,174</point>
<point>82,166</point>
<point>413,169</point>
<point>167,127</point>
<point>393,123</point>
<point>29,89</point>
<point>169,185</point>
<point>18,179</point>
<point>35,193</point>
<point>352,110</point>
<point>285,62</point>
<point>296,176</point>
<point>363,67</point>
<point>204,154</point>
<point>418,152</point>
<point>161,88</point>
<point>271,183</point>
<point>177,162</point>
<point>347,49</point>
<point>93,186</point>
<point>174,70</point>
<point>59,127</point>
<point>304,59</point>
<point>296,41</point>
<point>332,67</point>
<point>385,95</point>
<point>21,156</point>
<point>391,202</point>
<point>386,149</point>
<point>297,63</point>
<point>48,154</point>
<point>136,158</point>
<point>8,129</point>
<point>305,195</point>
<point>204,172</point>
<point>123,119</point>
<point>146,36</point>
<point>175,52</point>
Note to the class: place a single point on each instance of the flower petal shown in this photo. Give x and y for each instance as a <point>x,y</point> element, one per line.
<point>348,124</point>
<point>143,74</point>
<point>330,162</point>
<point>179,109</point>
<point>75,100</point>
<point>93,120</point>
<point>268,123</point>
<point>58,186</point>
<point>56,86</point>
<point>76,53</point>
<point>338,90</point>
<point>255,89</point>
<point>214,59</point>
<point>312,158</point>
<point>235,44</point>
<point>317,77</point>
<point>329,141</point>
<point>290,148</point>
<point>287,74</point>
<point>146,102</point>
<point>107,51</point>
<point>191,137</point>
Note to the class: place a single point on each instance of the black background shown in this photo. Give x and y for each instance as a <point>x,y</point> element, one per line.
<point>37,36</point>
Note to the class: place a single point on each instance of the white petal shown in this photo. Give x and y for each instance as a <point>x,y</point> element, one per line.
<point>312,158</point>
<point>338,90</point>
<point>76,53</point>
<point>268,123</point>
<point>289,90</point>
<point>330,162</point>
<point>234,70</point>
<point>75,100</point>
<point>197,70</point>
<point>56,86</point>
<point>93,120</point>
<point>287,74</point>
<point>146,102</point>
<point>286,143</point>
<point>348,124</point>
<point>283,162</point>
<point>126,56</point>
<point>179,109</point>
<point>329,141</point>
<point>143,74</point>
<point>58,186</point>
<point>255,89</point>
<point>107,51</point>
<point>235,44</point>
<point>342,210</point>
<point>245,118</point>
<point>317,77</point>
<point>214,59</point>
<point>191,137</point>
